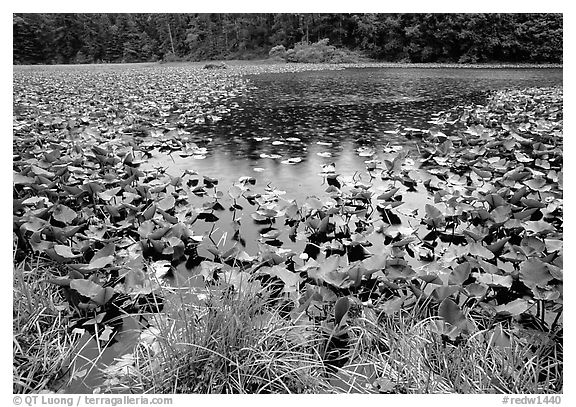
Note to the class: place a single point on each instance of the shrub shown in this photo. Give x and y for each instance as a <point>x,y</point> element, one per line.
<point>279,51</point>
<point>320,52</point>
<point>171,57</point>
<point>215,65</point>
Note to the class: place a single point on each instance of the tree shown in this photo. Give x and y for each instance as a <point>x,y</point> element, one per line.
<point>84,38</point>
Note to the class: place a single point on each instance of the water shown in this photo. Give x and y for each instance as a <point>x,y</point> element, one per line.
<point>323,117</point>
<point>316,118</point>
<point>343,110</point>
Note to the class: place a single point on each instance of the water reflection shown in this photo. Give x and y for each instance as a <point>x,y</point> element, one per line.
<point>345,108</point>
<point>310,119</point>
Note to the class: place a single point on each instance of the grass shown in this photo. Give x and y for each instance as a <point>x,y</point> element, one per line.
<point>425,363</point>
<point>236,344</point>
<point>219,341</point>
<point>245,344</point>
<point>41,342</point>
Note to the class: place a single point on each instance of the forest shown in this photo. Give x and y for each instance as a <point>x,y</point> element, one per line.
<point>115,38</point>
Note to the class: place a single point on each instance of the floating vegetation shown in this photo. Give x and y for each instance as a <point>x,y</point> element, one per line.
<point>484,254</point>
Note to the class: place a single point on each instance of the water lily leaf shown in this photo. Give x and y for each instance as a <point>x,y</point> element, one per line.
<point>513,308</point>
<point>267,213</point>
<point>476,290</point>
<point>374,263</point>
<point>341,309</point>
<point>477,249</point>
<point>524,214</point>
<point>34,200</point>
<point>63,214</point>
<point>166,203</point>
<point>440,292</point>
<point>290,279</point>
<point>538,226</point>
<point>536,183</point>
<point>241,282</point>
<point>392,306</point>
<point>548,293</point>
<point>65,251</point>
<point>435,215</point>
<point>532,203</point>
<point>521,157</point>
<point>259,218</point>
<point>103,296</point>
<point>482,173</point>
<point>167,217</point>
<point>534,271</point>
<point>271,234</point>
<point>86,288</point>
<point>323,225</point>
<point>493,280</point>
<point>40,171</point>
<point>19,179</point>
<point>208,217</point>
<point>209,182</point>
<point>441,327</point>
<point>108,194</point>
<point>398,268</point>
<point>272,156</point>
<point>292,161</point>
<point>460,274</point>
<point>488,267</point>
<point>384,385</point>
<point>331,272</point>
<point>98,263</point>
<point>92,187</point>
<point>404,242</point>
<point>553,245</point>
<point>531,246</point>
<point>495,200</point>
<point>542,163</point>
<point>450,312</point>
<point>161,268</point>
<point>38,244</point>
<point>516,174</point>
<point>498,245</point>
<point>96,320</point>
<point>106,333</point>
<point>34,224</point>
<point>519,194</point>
<point>355,272</point>
<point>389,194</point>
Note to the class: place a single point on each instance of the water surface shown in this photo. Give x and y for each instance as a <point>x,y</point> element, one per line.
<point>305,120</point>
<point>342,110</point>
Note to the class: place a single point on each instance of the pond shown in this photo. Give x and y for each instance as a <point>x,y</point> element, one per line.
<point>323,117</point>
<point>288,125</point>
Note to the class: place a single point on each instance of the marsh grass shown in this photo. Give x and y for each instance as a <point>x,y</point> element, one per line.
<point>422,361</point>
<point>41,342</point>
<point>234,344</point>
<point>244,344</point>
<point>222,341</point>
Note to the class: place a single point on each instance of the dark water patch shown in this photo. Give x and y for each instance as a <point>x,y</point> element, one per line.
<point>325,116</point>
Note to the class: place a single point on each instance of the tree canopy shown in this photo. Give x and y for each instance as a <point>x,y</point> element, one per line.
<point>90,38</point>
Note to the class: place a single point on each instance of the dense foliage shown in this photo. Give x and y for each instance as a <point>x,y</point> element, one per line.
<point>89,38</point>
<point>484,258</point>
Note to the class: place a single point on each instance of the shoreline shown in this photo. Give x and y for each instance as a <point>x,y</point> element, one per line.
<point>267,62</point>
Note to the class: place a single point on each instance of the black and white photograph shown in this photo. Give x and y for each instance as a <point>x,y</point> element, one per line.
<point>287,203</point>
